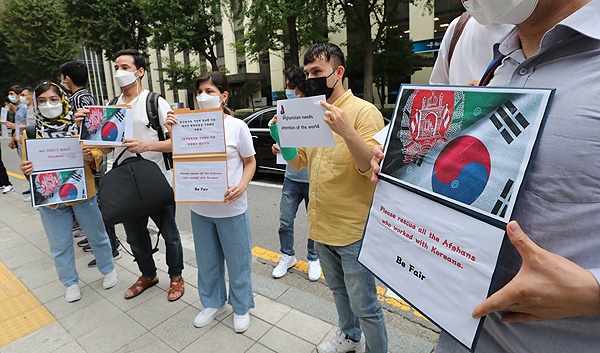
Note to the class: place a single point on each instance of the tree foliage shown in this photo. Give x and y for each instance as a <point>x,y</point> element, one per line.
<point>282,25</point>
<point>109,25</point>
<point>371,18</point>
<point>38,36</point>
<point>180,75</point>
<point>185,25</point>
<point>249,88</point>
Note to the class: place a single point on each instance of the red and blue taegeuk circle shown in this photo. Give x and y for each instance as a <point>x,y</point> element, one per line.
<point>109,132</point>
<point>67,192</point>
<point>462,169</point>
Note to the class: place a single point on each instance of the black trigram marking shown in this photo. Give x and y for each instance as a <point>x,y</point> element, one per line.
<point>502,202</point>
<point>509,121</point>
<point>119,115</point>
<point>420,161</point>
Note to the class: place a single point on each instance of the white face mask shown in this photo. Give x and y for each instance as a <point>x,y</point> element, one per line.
<point>500,11</point>
<point>49,111</point>
<point>24,100</point>
<point>125,78</point>
<point>206,101</point>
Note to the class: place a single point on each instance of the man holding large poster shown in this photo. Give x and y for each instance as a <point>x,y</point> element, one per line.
<point>547,294</point>
<point>340,195</point>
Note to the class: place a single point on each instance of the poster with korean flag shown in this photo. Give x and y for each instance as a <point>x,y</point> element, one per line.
<point>455,161</point>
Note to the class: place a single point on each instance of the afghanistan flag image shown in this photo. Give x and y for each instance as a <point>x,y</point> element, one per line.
<point>104,124</point>
<point>468,146</point>
<point>54,187</point>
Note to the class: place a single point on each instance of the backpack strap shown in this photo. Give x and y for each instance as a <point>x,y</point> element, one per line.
<point>30,130</point>
<point>458,30</point>
<point>113,101</point>
<point>153,112</point>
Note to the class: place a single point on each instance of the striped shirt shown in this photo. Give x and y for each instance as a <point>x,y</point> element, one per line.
<point>81,98</point>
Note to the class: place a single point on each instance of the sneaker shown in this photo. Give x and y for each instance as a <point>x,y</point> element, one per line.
<point>27,199</point>
<point>110,279</point>
<point>82,243</point>
<point>207,315</point>
<point>26,192</point>
<point>87,248</point>
<point>73,293</point>
<point>314,270</point>
<point>7,189</point>
<point>116,256</point>
<point>285,263</point>
<point>341,343</point>
<point>78,233</point>
<point>241,323</point>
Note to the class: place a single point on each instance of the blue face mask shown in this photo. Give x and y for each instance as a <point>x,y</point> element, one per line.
<point>291,94</point>
<point>13,99</point>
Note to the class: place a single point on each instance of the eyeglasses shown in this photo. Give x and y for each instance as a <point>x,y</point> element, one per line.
<point>52,100</point>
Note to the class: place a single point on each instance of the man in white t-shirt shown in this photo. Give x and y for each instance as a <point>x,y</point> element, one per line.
<point>471,55</point>
<point>130,66</point>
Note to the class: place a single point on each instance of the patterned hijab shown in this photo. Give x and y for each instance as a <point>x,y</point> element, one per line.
<point>64,125</point>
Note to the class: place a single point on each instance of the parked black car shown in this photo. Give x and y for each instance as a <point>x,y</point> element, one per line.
<point>258,123</point>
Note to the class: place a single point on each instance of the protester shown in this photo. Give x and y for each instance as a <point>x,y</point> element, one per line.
<point>340,196</point>
<point>222,232</point>
<point>130,67</point>
<point>464,60</point>
<point>54,119</point>
<point>295,190</point>
<point>546,291</point>
<point>74,76</point>
<point>5,184</point>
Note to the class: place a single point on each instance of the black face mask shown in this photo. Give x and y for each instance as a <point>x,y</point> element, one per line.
<point>318,85</point>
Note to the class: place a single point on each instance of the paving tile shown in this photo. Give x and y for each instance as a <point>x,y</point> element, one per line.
<point>155,311</point>
<point>112,335</point>
<point>147,343</point>
<point>259,348</point>
<point>36,276</point>
<point>71,347</point>
<point>49,292</point>
<point>80,322</point>
<point>117,297</point>
<point>43,340</point>
<point>284,342</point>
<point>220,339</point>
<point>269,310</point>
<point>16,251</point>
<point>304,326</point>
<point>178,331</point>
<point>268,287</point>
<point>60,308</point>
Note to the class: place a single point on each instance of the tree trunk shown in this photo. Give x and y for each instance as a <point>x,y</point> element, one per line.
<point>293,35</point>
<point>368,70</point>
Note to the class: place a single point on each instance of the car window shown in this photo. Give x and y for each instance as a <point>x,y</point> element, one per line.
<point>266,117</point>
<point>254,123</point>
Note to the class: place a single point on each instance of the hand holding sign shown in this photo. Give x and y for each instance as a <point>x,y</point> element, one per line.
<point>547,286</point>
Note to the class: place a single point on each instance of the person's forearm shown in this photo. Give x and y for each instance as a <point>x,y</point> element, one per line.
<point>159,146</point>
<point>360,151</point>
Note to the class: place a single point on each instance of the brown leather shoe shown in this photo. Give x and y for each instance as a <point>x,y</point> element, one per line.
<point>139,286</point>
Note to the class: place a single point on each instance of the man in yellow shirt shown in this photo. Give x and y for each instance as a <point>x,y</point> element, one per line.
<point>340,196</point>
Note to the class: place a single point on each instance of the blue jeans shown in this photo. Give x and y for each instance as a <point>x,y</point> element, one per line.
<point>220,240</point>
<point>355,295</point>
<point>58,224</point>
<point>138,238</point>
<point>291,197</point>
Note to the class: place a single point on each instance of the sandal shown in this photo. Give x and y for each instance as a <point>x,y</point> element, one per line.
<point>139,286</point>
<point>176,289</point>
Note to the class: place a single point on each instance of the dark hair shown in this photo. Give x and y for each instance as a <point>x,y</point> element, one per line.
<point>77,72</point>
<point>326,51</point>
<point>295,77</point>
<point>16,88</point>
<point>219,80</point>
<point>28,88</point>
<point>45,87</point>
<point>139,59</point>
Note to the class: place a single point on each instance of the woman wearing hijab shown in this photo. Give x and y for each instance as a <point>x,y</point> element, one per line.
<point>54,119</point>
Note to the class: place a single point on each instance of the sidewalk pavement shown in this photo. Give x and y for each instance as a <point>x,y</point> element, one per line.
<point>34,317</point>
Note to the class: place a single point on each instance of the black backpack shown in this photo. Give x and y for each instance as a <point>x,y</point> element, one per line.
<point>154,122</point>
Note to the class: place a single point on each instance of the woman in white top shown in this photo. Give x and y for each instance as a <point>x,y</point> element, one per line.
<point>222,231</point>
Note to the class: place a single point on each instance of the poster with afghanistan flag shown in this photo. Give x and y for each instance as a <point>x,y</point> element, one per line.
<point>455,161</point>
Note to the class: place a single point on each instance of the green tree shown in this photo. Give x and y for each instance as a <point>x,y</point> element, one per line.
<point>393,62</point>
<point>283,25</point>
<point>249,88</point>
<point>180,75</point>
<point>185,25</point>
<point>39,37</point>
<point>109,25</point>
<point>370,18</point>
